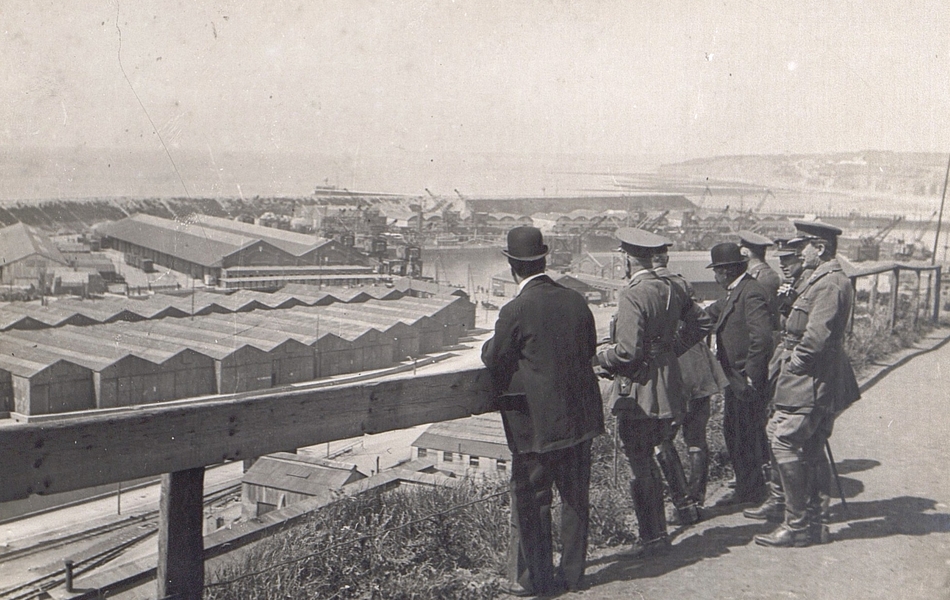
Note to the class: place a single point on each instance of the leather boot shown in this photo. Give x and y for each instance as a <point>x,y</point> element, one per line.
<point>698,475</point>
<point>794,532</point>
<point>644,506</point>
<point>773,509</point>
<point>819,501</point>
<point>686,512</point>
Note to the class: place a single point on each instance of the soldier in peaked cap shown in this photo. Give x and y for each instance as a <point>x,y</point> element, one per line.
<point>540,360</point>
<point>702,378</point>
<point>814,382</point>
<point>753,246</point>
<point>647,391</point>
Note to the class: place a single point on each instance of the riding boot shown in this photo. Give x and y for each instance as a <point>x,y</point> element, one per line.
<point>819,501</point>
<point>773,509</point>
<point>686,512</point>
<point>794,532</point>
<point>698,475</point>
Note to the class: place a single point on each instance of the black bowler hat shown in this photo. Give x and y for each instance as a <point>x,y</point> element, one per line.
<point>640,242</point>
<point>726,253</point>
<point>751,238</point>
<point>525,243</point>
<point>815,230</point>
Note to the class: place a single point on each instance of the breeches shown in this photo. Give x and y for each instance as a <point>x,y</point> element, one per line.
<point>799,436</point>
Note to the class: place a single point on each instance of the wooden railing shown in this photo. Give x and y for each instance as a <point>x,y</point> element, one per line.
<point>177,440</point>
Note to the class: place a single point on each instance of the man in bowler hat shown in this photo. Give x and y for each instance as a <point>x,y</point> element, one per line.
<point>743,347</point>
<point>540,360</point>
<point>647,392</point>
<point>814,382</point>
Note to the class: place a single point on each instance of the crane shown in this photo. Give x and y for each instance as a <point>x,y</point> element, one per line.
<point>870,248</point>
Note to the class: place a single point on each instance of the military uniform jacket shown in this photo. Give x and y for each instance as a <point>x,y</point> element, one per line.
<point>540,358</point>
<point>702,374</point>
<point>645,345</point>
<point>770,281</point>
<point>744,338</point>
<point>811,368</point>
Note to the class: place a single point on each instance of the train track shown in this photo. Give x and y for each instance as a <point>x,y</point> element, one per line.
<point>114,540</point>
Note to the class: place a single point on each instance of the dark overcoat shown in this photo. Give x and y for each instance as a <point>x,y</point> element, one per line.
<point>540,360</point>
<point>744,338</point>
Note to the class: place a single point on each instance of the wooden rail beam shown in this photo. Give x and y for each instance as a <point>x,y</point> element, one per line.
<point>74,453</point>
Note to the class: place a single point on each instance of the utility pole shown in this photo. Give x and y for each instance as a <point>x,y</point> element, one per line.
<point>943,197</point>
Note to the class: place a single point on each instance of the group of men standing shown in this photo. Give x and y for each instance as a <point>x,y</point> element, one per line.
<point>779,358</point>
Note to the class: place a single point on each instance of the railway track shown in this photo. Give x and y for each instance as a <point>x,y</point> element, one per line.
<point>110,542</point>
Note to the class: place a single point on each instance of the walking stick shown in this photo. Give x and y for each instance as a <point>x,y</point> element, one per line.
<point>834,471</point>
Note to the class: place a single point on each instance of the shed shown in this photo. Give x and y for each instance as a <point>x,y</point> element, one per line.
<point>469,446</point>
<point>282,479</point>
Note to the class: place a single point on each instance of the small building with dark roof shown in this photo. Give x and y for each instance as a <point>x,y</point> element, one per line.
<point>473,446</point>
<point>279,480</point>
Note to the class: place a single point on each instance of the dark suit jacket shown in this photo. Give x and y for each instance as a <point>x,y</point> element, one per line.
<point>541,354</point>
<point>744,337</point>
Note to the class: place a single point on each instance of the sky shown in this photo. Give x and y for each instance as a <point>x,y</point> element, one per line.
<point>409,93</point>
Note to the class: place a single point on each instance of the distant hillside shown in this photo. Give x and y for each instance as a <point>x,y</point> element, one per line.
<point>871,173</point>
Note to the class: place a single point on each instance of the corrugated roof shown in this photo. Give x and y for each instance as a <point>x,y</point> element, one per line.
<point>199,245</point>
<point>292,473</point>
<point>19,241</point>
<point>291,242</point>
<point>481,435</point>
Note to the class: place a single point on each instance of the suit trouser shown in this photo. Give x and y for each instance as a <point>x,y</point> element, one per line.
<point>743,427</point>
<point>530,548</point>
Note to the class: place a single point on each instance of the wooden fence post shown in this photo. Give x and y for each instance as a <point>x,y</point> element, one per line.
<point>895,284</point>
<point>181,571</point>
<point>917,297</point>
<point>938,294</point>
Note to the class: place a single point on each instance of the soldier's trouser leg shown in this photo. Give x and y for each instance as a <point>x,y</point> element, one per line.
<point>639,437</point>
<point>694,434</point>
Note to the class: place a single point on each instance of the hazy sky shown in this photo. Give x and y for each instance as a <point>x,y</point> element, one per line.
<point>675,78</point>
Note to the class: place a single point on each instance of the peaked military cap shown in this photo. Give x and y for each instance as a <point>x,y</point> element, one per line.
<point>810,230</point>
<point>792,247</point>
<point>751,238</point>
<point>640,242</point>
<point>726,253</point>
<point>525,243</point>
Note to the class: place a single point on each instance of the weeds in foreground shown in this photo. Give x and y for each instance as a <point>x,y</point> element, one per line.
<point>391,546</point>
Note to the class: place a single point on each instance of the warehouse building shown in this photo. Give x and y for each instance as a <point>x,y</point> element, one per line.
<point>128,362</point>
<point>27,257</point>
<point>473,446</point>
<point>206,247</point>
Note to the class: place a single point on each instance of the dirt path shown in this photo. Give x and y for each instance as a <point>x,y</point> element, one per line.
<point>893,542</point>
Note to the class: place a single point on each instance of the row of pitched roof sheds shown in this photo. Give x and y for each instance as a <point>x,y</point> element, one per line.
<point>74,311</point>
<point>123,363</point>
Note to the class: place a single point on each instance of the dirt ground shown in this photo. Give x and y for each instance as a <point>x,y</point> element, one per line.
<point>892,541</point>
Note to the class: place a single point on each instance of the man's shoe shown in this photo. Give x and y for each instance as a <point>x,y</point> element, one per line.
<point>686,515</point>
<point>516,589</point>
<point>785,537</point>
<point>657,547</point>
<point>768,511</point>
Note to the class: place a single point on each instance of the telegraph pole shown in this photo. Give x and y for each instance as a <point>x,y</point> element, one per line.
<point>943,198</point>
